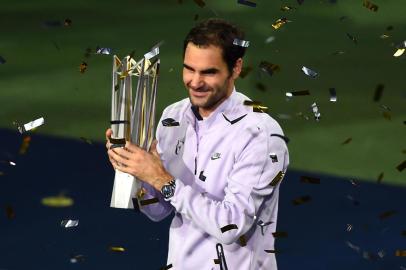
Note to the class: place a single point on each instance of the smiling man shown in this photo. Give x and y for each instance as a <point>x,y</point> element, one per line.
<point>217,164</point>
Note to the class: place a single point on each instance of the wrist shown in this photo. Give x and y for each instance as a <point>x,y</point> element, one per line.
<point>163,180</point>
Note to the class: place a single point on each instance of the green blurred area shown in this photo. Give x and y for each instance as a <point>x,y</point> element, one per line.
<point>41,76</point>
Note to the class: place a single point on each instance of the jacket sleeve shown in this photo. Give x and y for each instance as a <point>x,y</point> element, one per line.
<point>251,180</point>
<point>161,209</point>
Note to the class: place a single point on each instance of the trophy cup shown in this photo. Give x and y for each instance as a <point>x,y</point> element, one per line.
<point>130,121</point>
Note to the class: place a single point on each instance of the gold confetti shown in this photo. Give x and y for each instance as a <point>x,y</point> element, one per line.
<point>380,177</point>
<point>279,23</point>
<point>309,180</point>
<point>256,106</point>
<point>57,201</point>
<point>200,3</point>
<point>141,193</point>
<point>228,227</point>
<point>387,214</point>
<point>10,212</point>
<point>67,22</point>
<point>370,6</point>
<point>287,8</point>
<point>399,52</point>
<point>25,144</point>
<point>347,141</point>
<point>277,178</point>
<point>117,249</point>
<point>401,166</point>
<point>83,67</point>
<point>400,253</point>
<point>301,200</point>
<point>280,234</point>
<point>269,67</point>
<point>149,201</point>
<point>354,39</point>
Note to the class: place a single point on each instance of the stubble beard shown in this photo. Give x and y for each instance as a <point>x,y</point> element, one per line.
<point>212,100</point>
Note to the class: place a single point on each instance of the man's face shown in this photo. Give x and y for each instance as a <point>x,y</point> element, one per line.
<point>206,77</point>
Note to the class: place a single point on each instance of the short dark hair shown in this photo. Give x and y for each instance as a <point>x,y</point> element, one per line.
<point>219,33</point>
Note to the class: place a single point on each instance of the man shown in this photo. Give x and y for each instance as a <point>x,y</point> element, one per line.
<point>217,163</point>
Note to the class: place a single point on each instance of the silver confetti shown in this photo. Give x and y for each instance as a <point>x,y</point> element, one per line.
<point>316,111</point>
<point>333,95</point>
<point>31,125</point>
<point>241,43</point>
<point>106,51</point>
<point>69,223</point>
<point>309,72</point>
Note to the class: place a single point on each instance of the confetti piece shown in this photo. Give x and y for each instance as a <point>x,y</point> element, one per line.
<point>301,200</point>
<point>154,51</point>
<point>117,249</point>
<point>399,52</point>
<point>247,3</point>
<point>338,52</point>
<point>200,3</point>
<point>380,177</point>
<point>354,201</point>
<point>269,39</point>
<point>67,22</point>
<point>269,67</point>
<point>401,166</point>
<point>149,201</point>
<point>57,201</point>
<point>284,116</point>
<point>387,214</point>
<point>279,23</point>
<point>370,6</point>
<point>245,71</point>
<point>287,8</point>
<point>280,234</point>
<point>169,266</point>
<point>347,141</point>
<point>242,240</point>
<point>241,43</point>
<point>69,223</point>
<point>300,114</point>
<point>83,67</point>
<point>30,125</point>
<point>309,72</point>
<point>354,39</point>
<point>353,182</point>
<point>278,178</point>
<point>309,180</point>
<point>2,60</point>
<point>77,258</point>
<point>316,112</point>
<point>349,227</point>
<point>378,92</point>
<point>228,227</point>
<point>353,247</point>
<point>25,144</point>
<point>273,157</point>
<point>333,94</point>
<point>88,141</point>
<point>298,93</point>
<point>105,51</point>
<point>141,193</point>
<point>10,212</point>
<point>400,253</point>
<point>383,36</point>
<point>256,106</point>
<point>271,251</point>
<point>169,122</point>
<point>387,115</point>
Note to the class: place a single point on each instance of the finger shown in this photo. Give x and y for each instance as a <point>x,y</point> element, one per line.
<point>109,132</point>
<point>116,157</point>
<point>123,152</point>
<point>131,147</point>
<point>153,150</point>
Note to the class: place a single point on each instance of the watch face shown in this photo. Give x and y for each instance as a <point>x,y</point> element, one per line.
<point>167,191</point>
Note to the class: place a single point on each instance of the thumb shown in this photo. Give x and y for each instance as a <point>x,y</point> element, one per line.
<point>153,150</point>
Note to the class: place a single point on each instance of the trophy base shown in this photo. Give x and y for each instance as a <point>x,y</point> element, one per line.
<point>124,190</point>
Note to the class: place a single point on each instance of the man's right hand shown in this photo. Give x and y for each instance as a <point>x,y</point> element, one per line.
<point>109,132</point>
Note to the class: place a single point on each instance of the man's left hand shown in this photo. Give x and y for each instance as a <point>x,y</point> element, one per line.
<point>146,166</point>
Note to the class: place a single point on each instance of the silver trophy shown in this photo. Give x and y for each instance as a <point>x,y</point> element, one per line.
<point>132,121</point>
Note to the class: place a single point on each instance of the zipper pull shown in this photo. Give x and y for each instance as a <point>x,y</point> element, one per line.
<point>195,165</point>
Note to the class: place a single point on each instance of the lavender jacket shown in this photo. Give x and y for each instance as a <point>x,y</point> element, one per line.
<point>227,169</point>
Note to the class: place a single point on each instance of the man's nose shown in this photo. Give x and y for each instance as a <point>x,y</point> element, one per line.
<point>196,81</point>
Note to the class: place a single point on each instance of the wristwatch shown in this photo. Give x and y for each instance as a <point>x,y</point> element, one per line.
<point>168,190</point>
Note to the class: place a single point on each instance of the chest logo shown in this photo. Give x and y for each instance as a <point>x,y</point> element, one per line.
<point>215,156</point>
<point>170,122</point>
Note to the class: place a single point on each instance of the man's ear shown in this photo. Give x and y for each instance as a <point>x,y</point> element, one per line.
<point>237,68</point>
